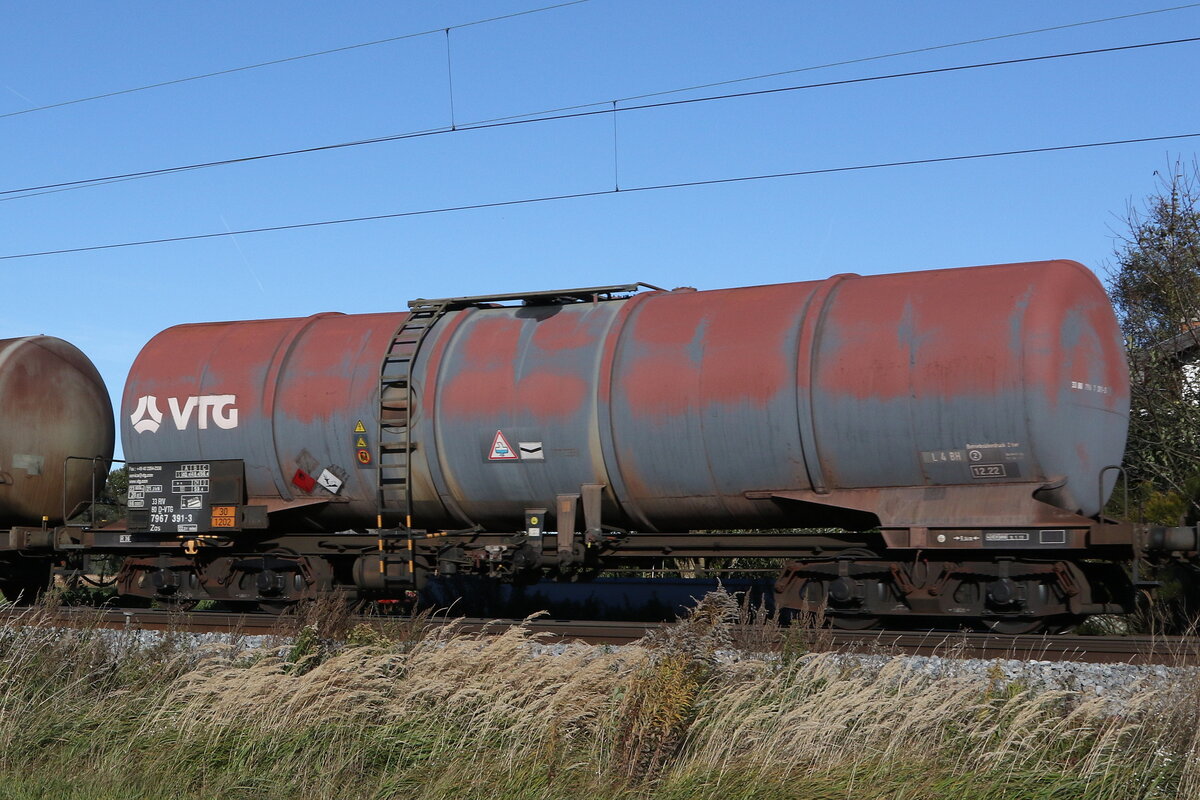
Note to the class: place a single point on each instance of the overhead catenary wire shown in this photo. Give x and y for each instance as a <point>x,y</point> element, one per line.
<point>780,73</point>
<point>30,191</point>
<point>602,192</point>
<point>847,62</point>
<point>286,60</point>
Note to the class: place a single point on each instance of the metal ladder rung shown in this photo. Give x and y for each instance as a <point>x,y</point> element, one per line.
<point>396,373</point>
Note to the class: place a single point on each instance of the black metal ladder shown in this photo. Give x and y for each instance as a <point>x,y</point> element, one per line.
<point>396,408</point>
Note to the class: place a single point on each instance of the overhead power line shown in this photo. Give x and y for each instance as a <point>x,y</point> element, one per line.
<point>286,60</point>
<point>31,191</point>
<point>602,192</point>
<point>847,62</point>
<point>862,60</point>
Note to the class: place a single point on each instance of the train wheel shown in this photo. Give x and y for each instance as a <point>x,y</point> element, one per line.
<point>295,596</point>
<point>1013,627</point>
<point>22,593</point>
<point>178,604</point>
<point>853,623</point>
<point>23,581</point>
<point>277,607</point>
<point>1064,623</point>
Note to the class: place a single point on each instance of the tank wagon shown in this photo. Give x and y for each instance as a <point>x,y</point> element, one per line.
<point>946,440</point>
<point>56,443</point>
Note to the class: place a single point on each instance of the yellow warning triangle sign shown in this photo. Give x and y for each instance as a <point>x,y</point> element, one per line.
<point>361,442</point>
<point>360,428</point>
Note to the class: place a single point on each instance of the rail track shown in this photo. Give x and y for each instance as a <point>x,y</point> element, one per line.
<point>1135,649</point>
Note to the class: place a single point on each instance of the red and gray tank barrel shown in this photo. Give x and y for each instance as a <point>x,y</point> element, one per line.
<point>694,409</point>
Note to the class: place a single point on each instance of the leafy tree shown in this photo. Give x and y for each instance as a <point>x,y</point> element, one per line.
<point>1155,287</point>
<point>110,502</point>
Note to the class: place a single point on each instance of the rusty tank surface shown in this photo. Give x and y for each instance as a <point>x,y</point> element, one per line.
<point>850,402</point>
<point>285,396</point>
<point>56,430</point>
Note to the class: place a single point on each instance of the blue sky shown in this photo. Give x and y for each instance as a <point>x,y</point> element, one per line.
<point>109,303</point>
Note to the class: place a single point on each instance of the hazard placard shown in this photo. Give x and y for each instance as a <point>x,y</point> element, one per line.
<point>330,482</point>
<point>360,428</point>
<point>302,480</point>
<point>501,450</point>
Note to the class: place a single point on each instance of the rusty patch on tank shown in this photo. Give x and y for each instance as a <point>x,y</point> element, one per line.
<point>928,333</point>
<point>334,366</point>
<point>495,394</point>
<point>660,385</point>
<point>484,376</point>
<point>730,346</point>
<point>491,343</point>
<point>567,331</point>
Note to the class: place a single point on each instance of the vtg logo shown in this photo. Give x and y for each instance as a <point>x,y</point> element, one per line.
<point>217,407</point>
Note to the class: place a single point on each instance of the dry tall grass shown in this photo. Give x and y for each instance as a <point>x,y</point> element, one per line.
<point>444,714</point>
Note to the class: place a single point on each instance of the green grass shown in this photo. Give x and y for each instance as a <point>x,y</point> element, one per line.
<point>437,714</point>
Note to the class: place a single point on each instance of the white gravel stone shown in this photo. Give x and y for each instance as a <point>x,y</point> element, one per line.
<point>1114,682</point>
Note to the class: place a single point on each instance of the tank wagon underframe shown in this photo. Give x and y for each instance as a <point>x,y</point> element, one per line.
<point>1008,577</point>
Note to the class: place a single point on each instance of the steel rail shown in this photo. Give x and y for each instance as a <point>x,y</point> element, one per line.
<point>1137,649</point>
